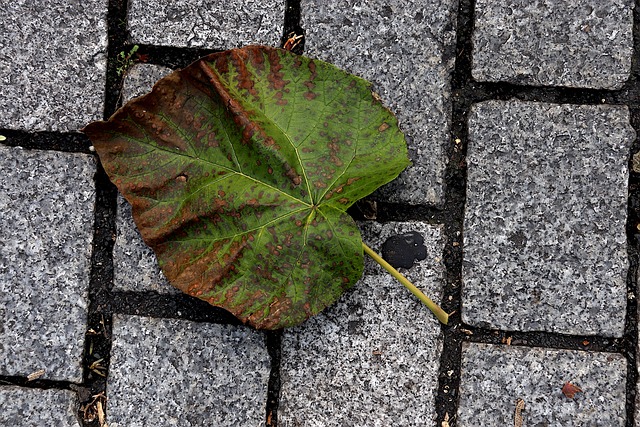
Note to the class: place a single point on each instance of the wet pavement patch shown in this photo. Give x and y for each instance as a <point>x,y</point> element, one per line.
<point>404,250</point>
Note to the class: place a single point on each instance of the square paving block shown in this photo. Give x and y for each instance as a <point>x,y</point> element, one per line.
<point>198,373</point>
<point>206,23</point>
<point>28,407</point>
<point>495,377</point>
<point>371,359</point>
<point>575,43</point>
<point>406,49</point>
<point>47,203</point>
<point>52,64</point>
<point>545,247</point>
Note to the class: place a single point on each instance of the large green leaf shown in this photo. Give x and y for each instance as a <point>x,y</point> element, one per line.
<point>240,168</point>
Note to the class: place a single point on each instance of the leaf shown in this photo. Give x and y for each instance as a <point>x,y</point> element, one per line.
<point>570,390</point>
<point>240,168</point>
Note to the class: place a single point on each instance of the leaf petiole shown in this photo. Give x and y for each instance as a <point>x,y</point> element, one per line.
<point>439,312</point>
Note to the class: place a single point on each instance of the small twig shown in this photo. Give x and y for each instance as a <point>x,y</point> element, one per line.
<point>517,416</point>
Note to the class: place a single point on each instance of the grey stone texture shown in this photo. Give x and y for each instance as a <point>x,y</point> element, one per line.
<point>544,230</point>
<point>175,372</point>
<point>47,204</point>
<point>372,359</point>
<point>574,43</point>
<point>24,407</point>
<point>494,377</point>
<point>140,78</point>
<point>135,266</point>
<point>206,23</point>
<point>405,48</point>
<point>52,64</point>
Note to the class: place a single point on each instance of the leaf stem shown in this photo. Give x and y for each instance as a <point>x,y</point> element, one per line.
<point>439,312</point>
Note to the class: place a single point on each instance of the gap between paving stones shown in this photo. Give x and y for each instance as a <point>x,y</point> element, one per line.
<point>465,93</point>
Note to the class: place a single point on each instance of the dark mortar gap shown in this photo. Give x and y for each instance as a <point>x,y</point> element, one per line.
<point>70,142</point>
<point>630,339</point>
<point>542,339</point>
<point>371,209</point>
<point>43,384</point>
<point>273,340</point>
<point>635,59</point>
<point>176,306</point>
<point>97,347</point>
<point>483,91</point>
<point>118,35</point>
<point>292,25</point>
<point>168,56</point>
<point>452,217</point>
<point>464,31</point>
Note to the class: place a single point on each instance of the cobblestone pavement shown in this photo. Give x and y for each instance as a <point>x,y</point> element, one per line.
<point>521,119</point>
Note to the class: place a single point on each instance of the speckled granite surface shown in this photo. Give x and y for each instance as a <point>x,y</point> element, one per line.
<point>52,64</point>
<point>494,377</point>
<point>545,241</point>
<point>46,200</point>
<point>586,43</point>
<point>135,265</point>
<point>196,372</point>
<point>206,23</point>
<point>32,407</point>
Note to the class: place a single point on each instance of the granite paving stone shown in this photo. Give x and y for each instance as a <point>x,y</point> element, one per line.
<point>206,23</point>
<point>406,49</point>
<point>583,43</point>
<point>47,203</point>
<point>544,231</point>
<point>52,64</point>
<point>372,359</point>
<point>140,78</point>
<point>28,407</point>
<point>197,373</point>
<point>493,378</point>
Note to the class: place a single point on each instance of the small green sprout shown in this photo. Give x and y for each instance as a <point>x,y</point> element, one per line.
<point>125,61</point>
